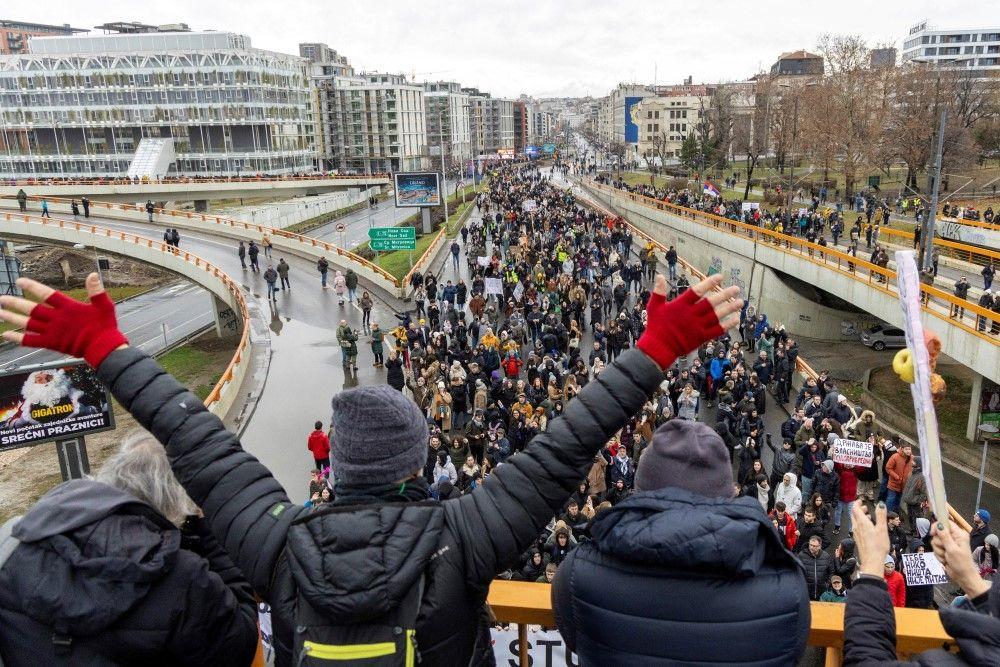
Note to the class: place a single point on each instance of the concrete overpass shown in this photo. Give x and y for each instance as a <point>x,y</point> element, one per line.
<point>760,261</point>
<point>197,190</point>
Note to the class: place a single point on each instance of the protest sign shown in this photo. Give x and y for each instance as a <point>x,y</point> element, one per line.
<point>923,570</point>
<point>483,261</point>
<point>494,286</point>
<point>749,206</point>
<point>852,452</point>
<point>908,281</point>
<point>518,291</point>
<point>546,648</point>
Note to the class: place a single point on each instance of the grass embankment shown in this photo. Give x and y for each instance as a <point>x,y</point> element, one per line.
<point>952,411</point>
<point>397,262</point>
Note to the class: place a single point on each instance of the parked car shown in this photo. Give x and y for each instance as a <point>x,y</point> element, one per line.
<point>882,336</point>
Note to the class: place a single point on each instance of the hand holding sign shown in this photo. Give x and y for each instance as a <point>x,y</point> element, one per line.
<point>951,548</point>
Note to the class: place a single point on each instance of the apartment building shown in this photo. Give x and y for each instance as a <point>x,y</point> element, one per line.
<point>972,50</point>
<point>447,117</point>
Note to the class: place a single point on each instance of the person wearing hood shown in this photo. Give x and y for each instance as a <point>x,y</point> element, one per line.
<point>869,621</point>
<point>381,555</point>
<point>340,286</point>
<point>119,570</point>
<point>685,560</point>
<point>788,493</point>
<point>534,568</point>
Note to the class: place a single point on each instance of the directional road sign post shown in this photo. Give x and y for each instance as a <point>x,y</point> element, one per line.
<point>393,238</point>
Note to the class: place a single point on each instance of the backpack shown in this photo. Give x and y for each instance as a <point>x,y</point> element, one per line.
<point>383,641</point>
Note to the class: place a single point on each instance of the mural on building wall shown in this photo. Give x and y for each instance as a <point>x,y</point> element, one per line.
<point>851,329</point>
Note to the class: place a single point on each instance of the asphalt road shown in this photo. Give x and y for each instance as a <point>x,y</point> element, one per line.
<point>183,307</point>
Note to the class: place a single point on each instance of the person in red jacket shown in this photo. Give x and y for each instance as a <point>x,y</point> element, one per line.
<point>785,524</point>
<point>894,580</point>
<point>319,445</point>
<point>848,494</point>
<point>512,365</point>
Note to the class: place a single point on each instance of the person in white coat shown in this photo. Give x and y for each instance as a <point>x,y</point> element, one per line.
<point>788,492</point>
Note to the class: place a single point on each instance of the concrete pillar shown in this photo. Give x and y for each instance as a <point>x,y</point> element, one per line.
<point>425,218</point>
<point>201,205</point>
<point>227,323</point>
<point>974,403</point>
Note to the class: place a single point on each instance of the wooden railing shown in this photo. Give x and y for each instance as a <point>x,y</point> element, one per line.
<point>938,303</point>
<point>234,223</point>
<point>242,348</point>
<point>917,630</point>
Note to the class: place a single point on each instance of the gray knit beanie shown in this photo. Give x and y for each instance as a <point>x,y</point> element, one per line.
<point>687,455</point>
<point>379,436</point>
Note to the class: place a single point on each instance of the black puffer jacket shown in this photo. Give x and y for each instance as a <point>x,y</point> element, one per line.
<point>870,629</point>
<point>109,573</point>
<point>817,571</point>
<point>461,544</point>
<point>666,564</point>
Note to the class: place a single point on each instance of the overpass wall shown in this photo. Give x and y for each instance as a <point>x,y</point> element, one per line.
<point>222,288</point>
<point>751,265</point>
<point>285,213</point>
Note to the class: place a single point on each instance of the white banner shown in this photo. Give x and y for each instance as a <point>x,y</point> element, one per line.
<point>923,570</point>
<point>494,286</point>
<point>545,649</point>
<point>483,261</point>
<point>852,452</point>
<point>518,291</point>
<point>908,281</point>
<point>750,206</point>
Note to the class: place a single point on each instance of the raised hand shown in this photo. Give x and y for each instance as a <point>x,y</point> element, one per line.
<point>872,539</point>
<point>57,322</point>
<point>951,547</point>
<point>677,327</point>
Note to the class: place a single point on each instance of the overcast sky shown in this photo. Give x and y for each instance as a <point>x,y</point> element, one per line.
<point>541,47</point>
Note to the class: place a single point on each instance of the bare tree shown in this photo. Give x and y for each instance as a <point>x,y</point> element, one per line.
<point>751,132</point>
<point>618,149</point>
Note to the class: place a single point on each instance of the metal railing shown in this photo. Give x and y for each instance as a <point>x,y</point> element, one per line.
<point>236,368</point>
<point>937,302</point>
<point>233,223</point>
<point>181,180</point>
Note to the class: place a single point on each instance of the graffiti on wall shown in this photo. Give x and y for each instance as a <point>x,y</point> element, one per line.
<point>851,329</point>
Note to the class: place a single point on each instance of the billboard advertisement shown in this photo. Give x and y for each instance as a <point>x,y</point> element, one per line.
<point>531,151</point>
<point>631,122</point>
<point>549,148</point>
<point>506,153</point>
<point>417,189</point>
<point>52,402</point>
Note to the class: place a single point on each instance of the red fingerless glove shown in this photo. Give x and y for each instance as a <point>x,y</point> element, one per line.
<point>677,327</point>
<point>87,330</point>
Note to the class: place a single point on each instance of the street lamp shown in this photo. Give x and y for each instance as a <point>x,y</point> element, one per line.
<point>987,432</point>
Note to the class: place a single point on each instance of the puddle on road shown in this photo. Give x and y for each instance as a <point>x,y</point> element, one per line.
<point>306,370</point>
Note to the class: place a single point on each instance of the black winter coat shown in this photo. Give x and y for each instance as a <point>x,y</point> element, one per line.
<point>870,629</point>
<point>342,564</point>
<point>817,570</point>
<point>668,563</point>
<point>111,574</point>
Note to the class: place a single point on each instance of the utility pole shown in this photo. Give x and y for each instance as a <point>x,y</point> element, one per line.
<point>927,247</point>
<point>444,176</point>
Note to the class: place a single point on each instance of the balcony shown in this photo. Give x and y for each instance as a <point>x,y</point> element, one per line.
<point>524,603</point>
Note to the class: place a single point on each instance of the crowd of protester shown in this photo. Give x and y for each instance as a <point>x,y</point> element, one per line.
<point>848,229</point>
<point>584,421</point>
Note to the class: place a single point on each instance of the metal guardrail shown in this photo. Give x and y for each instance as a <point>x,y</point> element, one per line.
<point>236,368</point>
<point>858,269</point>
<point>40,182</point>
<point>262,230</point>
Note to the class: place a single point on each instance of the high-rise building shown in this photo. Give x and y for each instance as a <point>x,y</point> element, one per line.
<point>447,117</point>
<point>81,105</point>
<point>331,63</point>
<point>522,132</point>
<point>371,122</point>
<point>491,122</point>
<point>972,50</point>
<point>14,35</point>
<point>885,57</point>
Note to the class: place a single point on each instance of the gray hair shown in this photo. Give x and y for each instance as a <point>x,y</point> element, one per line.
<point>141,468</point>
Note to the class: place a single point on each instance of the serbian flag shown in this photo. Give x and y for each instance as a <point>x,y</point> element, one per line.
<point>710,189</point>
